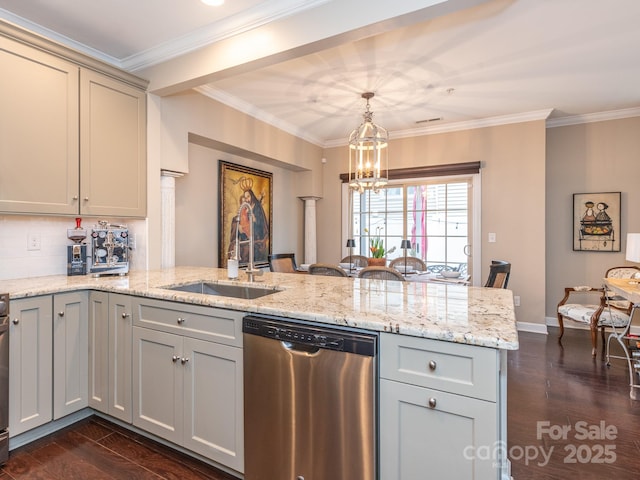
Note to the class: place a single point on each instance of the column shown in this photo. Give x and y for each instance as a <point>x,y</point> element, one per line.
<point>168,213</point>
<point>310,240</point>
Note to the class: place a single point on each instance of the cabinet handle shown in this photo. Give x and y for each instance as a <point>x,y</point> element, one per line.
<point>175,358</point>
<point>432,402</point>
<point>125,315</point>
<point>432,365</point>
<point>75,197</point>
<point>86,199</point>
<point>180,320</point>
<point>184,360</point>
<point>16,321</point>
<point>61,314</point>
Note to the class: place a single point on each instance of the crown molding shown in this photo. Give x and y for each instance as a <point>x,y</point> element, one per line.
<point>258,114</point>
<point>265,13</point>
<point>594,117</point>
<point>458,126</point>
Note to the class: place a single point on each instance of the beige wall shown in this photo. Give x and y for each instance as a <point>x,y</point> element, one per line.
<point>197,208</point>
<point>592,157</point>
<point>513,198</point>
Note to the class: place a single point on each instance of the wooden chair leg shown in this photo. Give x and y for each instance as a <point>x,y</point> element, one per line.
<point>594,340</point>
<point>561,328</point>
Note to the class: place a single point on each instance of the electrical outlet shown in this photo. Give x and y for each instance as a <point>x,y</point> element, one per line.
<point>132,242</point>
<point>516,300</point>
<point>34,241</point>
<point>492,238</point>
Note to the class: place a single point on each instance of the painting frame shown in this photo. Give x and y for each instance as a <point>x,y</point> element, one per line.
<point>238,184</point>
<point>596,222</point>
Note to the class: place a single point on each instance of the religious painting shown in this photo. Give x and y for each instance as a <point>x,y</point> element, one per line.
<point>246,202</point>
<point>596,222</point>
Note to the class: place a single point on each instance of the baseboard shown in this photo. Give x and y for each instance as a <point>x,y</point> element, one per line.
<point>48,428</point>
<point>553,322</point>
<point>532,327</point>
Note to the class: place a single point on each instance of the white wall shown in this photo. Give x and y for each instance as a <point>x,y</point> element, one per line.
<point>16,261</point>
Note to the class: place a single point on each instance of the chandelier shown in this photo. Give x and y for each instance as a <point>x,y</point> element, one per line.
<point>368,154</point>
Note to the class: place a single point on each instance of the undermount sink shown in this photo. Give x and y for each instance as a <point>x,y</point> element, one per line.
<point>223,290</point>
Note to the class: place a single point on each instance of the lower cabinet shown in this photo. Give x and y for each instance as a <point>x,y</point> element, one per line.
<point>189,391</point>
<point>45,331</point>
<point>439,410</point>
<point>30,354</point>
<point>110,351</point>
<point>70,350</point>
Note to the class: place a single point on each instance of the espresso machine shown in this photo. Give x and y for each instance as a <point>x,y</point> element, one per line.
<point>109,249</point>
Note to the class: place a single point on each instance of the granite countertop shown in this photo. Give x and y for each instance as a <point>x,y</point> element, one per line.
<point>454,313</point>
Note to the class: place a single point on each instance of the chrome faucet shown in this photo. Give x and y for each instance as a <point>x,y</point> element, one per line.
<point>251,271</point>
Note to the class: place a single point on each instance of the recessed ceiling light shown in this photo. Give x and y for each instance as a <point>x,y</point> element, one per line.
<point>213,3</point>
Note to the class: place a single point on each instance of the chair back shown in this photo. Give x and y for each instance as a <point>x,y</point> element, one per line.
<point>437,268</point>
<point>499,273</point>
<point>327,269</point>
<point>627,271</point>
<point>283,262</point>
<point>414,263</point>
<point>357,260</point>
<point>381,273</point>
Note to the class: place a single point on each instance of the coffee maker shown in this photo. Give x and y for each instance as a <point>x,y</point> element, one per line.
<point>77,253</point>
<point>109,249</point>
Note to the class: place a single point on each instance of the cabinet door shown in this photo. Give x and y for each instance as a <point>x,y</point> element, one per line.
<point>70,353</point>
<point>120,351</point>
<point>442,439</point>
<point>157,383</point>
<point>99,351</point>
<point>38,131</point>
<point>30,345</point>
<point>113,173</point>
<point>213,402</point>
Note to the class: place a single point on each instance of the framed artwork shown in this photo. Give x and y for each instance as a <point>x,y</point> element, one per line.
<point>253,190</point>
<point>596,222</point>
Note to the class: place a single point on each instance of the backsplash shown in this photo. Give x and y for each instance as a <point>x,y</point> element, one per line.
<point>19,259</point>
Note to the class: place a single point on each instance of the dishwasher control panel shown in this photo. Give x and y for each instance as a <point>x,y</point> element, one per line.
<point>309,335</point>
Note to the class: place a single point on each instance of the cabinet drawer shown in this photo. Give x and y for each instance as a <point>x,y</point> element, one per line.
<point>451,367</point>
<point>206,323</point>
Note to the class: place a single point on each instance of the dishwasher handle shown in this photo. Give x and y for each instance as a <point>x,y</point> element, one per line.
<point>301,348</point>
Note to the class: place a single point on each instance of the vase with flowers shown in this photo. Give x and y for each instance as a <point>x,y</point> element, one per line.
<point>378,252</point>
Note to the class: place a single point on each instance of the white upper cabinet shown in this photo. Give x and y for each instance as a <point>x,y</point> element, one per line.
<point>72,139</point>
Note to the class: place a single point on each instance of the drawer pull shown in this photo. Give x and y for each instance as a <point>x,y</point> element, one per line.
<point>175,358</point>
<point>16,321</point>
<point>125,315</point>
<point>432,365</point>
<point>184,360</point>
<point>432,402</point>
<point>180,320</point>
<point>61,314</point>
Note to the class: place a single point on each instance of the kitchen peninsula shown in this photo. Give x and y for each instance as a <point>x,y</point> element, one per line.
<point>442,354</point>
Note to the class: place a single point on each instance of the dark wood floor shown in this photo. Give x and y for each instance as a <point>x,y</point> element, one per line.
<point>547,383</point>
<point>564,385</point>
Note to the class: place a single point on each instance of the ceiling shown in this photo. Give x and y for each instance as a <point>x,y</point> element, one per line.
<point>497,62</point>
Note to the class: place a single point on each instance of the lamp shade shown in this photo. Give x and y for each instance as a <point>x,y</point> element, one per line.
<point>351,243</point>
<point>633,247</point>
<point>405,244</point>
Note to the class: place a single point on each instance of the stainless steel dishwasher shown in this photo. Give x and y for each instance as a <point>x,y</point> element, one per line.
<point>309,401</point>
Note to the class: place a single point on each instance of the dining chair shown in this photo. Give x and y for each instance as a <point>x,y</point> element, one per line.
<point>437,268</point>
<point>499,273</point>
<point>609,312</point>
<point>414,263</point>
<point>283,262</point>
<point>357,260</point>
<point>381,273</point>
<point>327,269</point>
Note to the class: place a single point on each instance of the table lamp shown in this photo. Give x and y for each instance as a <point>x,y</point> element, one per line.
<point>350,244</point>
<point>405,244</point>
<point>633,248</point>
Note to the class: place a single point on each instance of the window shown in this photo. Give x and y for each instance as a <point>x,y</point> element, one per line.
<point>434,214</point>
